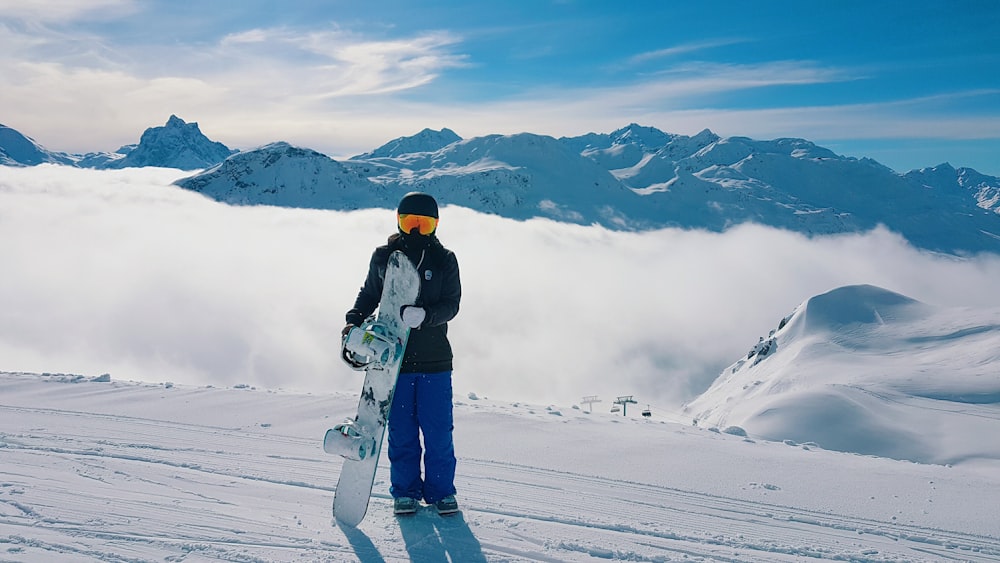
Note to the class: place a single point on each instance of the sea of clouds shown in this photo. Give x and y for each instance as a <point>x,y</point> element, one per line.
<point>121,272</point>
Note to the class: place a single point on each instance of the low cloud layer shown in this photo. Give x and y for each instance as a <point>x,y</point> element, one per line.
<point>120,272</point>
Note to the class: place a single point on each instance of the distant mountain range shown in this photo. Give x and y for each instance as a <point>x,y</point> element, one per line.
<point>175,145</point>
<point>631,179</point>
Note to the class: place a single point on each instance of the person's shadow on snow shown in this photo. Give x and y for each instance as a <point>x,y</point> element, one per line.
<point>430,537</point>
<point>362,545</point>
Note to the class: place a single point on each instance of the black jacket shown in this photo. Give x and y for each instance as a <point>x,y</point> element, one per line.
<point>428,349</point>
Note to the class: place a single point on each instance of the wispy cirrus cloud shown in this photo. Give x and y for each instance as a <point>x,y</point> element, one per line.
<point>682,49</point>
<point>65,10</point>
<point>344,63</point>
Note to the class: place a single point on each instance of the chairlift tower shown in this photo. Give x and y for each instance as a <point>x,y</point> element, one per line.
<point>589,400</point>
<point>624,402</point>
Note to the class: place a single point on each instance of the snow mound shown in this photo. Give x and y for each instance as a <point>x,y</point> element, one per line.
<point>865,370</point>
<point>857,305</point>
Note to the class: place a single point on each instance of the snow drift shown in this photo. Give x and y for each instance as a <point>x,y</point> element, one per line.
<point>866,370</point>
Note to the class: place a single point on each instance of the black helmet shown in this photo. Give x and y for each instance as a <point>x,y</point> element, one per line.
<point>418,203</point>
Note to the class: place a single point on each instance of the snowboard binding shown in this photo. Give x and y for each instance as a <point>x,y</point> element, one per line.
<point>372,344</point>
<point>349,440</point>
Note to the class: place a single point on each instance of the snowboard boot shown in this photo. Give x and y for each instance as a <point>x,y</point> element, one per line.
<point>447,505</point>
<point>404,506</point>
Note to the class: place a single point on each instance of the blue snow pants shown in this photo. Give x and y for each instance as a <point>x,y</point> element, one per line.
<point>421,405</point>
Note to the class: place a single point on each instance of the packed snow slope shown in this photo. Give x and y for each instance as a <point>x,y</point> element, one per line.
<point>866,370</point>
<point>93,469</point>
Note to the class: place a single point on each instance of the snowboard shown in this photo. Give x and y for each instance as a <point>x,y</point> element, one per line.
<point>359,440</point>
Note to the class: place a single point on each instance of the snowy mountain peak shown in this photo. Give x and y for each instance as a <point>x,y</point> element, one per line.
<point>647,138</point>
<point>175,145</point>
<point>705,136</point>
<point>285,175</point>
<point>427,140</point>
<point>20,150</point>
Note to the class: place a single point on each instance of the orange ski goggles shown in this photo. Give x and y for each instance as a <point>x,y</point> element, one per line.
<point>425,225</point>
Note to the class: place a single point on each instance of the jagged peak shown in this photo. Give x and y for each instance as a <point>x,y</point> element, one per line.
<point>943,167</point>
<point>176,144</point>
<point>706,134</point>
<point>640,135</point>
<point>443,132</point>
<point>176,124</point>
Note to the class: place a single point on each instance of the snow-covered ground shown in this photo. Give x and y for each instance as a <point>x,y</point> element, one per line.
<point>119,471</point>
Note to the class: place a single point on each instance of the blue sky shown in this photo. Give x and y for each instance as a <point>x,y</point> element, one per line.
<point>909,83</point>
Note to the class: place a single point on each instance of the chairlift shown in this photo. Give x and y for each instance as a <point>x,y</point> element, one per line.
<point>646,412</point>
<point>616,408</point>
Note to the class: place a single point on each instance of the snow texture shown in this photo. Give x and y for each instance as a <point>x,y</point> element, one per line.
<point>124,471</point>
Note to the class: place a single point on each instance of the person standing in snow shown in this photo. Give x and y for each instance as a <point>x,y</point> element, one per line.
<point>422,402</point>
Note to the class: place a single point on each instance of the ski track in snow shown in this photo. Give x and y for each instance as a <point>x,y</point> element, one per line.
<point>90,486</point>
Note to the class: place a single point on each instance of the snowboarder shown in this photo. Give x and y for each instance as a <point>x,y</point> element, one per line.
<point>422,401</point>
